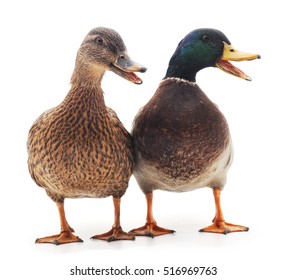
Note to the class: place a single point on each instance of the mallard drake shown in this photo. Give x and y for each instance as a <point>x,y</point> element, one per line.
<point>80,148</point>
<point>182,141</point>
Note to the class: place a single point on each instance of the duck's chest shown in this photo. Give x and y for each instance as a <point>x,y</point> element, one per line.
<point>86,141</point>
<point>181,132</point>
<point>90,136</point>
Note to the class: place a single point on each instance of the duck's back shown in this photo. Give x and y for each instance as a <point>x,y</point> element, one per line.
<point>180,132</point>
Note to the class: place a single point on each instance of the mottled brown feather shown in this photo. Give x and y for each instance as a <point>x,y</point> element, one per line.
<point>80,148</point>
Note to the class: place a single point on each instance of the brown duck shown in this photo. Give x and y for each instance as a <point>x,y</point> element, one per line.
<point>80,148</point>
<point>182,140</point>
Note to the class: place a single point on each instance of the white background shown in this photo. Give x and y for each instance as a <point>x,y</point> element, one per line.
<point>39,41</point>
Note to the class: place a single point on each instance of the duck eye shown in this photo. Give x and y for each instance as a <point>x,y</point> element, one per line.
<point>205,38</point>
<point>99,40</point>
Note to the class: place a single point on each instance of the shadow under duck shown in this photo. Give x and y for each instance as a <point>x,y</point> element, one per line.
<point>80,148</point>
<point>182,140</point>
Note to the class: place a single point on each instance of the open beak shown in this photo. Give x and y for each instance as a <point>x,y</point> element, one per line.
<point>125,67</point>
<point>229,53</point>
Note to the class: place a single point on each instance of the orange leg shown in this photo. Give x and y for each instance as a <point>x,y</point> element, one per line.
<point>150,228</point>
<point>116,233</point>
<point>66,235</point>
<point>219,225</point>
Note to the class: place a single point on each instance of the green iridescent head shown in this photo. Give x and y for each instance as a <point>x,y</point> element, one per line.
<point>203,48</point>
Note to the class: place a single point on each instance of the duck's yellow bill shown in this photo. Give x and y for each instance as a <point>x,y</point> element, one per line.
<point>229,53</point>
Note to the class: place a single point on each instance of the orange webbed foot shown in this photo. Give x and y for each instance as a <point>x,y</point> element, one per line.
<point>116,233</point>
<point>151,230</point>
<point>63,238</point>
<point>223,228</point>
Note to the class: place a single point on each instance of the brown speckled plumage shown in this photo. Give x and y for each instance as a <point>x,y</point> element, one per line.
<point>80,152</point>
<point>80,148</point>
